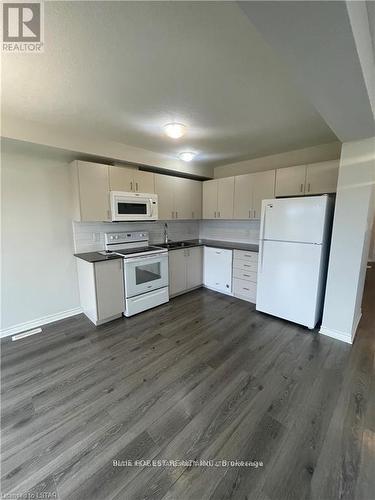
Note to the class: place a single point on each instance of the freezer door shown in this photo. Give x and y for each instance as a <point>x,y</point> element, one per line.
<point>294,219</point>
<point>288,281</point>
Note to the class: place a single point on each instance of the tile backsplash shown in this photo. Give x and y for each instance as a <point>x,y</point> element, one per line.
<point>230,230</point>
<point>89,236</point>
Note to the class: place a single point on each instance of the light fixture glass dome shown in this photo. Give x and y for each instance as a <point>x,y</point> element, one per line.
<point>187,156</point>
<point>175,130</point>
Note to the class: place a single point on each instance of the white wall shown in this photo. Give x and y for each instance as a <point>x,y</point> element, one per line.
<point>313,154</point>
<point>38,268</point>
<point>351,237</point>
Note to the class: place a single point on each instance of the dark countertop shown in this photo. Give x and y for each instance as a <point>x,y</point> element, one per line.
<point>230,245</point>
<point>96,257</point>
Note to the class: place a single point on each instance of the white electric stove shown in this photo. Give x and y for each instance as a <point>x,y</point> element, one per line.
<point>145,270</point>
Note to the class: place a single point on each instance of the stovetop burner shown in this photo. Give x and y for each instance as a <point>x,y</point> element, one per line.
<point>131,251</point>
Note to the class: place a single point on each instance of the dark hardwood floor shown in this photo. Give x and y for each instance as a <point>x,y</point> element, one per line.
<point>203,377</point>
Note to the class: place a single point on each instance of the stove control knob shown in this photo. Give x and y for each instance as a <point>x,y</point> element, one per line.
<point>111,237</point>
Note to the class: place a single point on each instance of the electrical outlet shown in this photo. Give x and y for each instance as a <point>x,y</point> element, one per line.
<point>96,237</point>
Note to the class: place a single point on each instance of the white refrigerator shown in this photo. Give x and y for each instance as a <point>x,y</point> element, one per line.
<point>293,257</point>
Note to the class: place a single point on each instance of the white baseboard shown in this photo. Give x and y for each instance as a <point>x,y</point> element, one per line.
<point>336,334</point>
<point>28,325</point>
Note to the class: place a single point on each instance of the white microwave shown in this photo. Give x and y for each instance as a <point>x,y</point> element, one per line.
<point>133,206</point>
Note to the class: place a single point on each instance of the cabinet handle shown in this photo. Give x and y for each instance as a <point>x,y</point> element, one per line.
<point>249,214</point>
<point>219,214</point>
<point>308,187</point>
<point>215,215</point>
<point>131,185</point>
<point>247,275</point>
<point>176,214</point>
<point>136,186</point>
<point>244,288</point>
<point>301,188</point>
<point>255,214</point>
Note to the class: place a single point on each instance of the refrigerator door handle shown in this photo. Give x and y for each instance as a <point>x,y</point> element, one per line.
<point>261,237</point>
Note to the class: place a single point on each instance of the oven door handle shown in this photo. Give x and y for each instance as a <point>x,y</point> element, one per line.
<point>134,260</point>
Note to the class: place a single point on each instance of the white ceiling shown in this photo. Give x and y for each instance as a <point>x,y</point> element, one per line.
<point>120,70</point>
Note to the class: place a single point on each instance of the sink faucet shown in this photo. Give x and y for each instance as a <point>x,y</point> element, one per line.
<point>166,239</point>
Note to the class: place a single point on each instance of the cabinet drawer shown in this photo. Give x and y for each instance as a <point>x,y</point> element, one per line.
<point>246,265</point>
<point>243,255</point>
<point>244,275</point>
<point>246,290</point>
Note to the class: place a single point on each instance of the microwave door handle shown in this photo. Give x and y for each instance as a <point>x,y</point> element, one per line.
<point>151,208</point>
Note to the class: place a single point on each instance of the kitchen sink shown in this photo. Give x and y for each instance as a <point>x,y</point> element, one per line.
<point>177,244</point>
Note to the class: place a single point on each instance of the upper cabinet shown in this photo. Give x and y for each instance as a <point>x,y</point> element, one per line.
<point>131,180</point>
<point>264,188</point>
<point>290,181</point>
<point>249,191</point>
<point>90,191</point>
<point>315,178</point>
<point>195,188</point>
<point>178,198</point>
<point>322,177</point>
<point>218,196</point>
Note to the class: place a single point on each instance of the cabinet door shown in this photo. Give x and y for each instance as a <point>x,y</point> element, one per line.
<point>210,199</point>
<point>121,179</point>
<point>144,182</point>
<point>243,196</point>
<point>225,197</point>
<point>290,181</point>
<point>164,186</point>
<point>263,188</point>
<point>93,191</point>
<point>177,271</point>
<point>218,269</point>
<point>182,199</point>
<point>109,282</point>
<point>196,199</point>
<point>321,178</point>
<point>194,267</point>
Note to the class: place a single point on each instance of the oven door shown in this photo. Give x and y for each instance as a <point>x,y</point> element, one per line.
<point>143,274</point>
<point>131,207</point>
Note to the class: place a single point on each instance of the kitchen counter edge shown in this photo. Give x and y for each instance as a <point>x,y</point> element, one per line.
<point>229,245</point>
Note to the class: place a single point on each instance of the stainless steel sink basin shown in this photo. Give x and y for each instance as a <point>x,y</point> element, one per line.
<point>177,244</point>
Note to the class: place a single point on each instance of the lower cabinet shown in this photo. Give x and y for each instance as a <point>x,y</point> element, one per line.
<point>218,269</point>
<point>101,289</point>
<point>185,269</point>
<point>245,273</point>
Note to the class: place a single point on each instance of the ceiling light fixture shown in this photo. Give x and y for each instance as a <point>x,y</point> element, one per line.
<point>187,156</point>
<point>175,130</point>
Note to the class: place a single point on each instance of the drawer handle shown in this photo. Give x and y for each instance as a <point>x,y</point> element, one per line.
<point>246,265</point>
<point>248,289</point>
<point>247,275</point>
